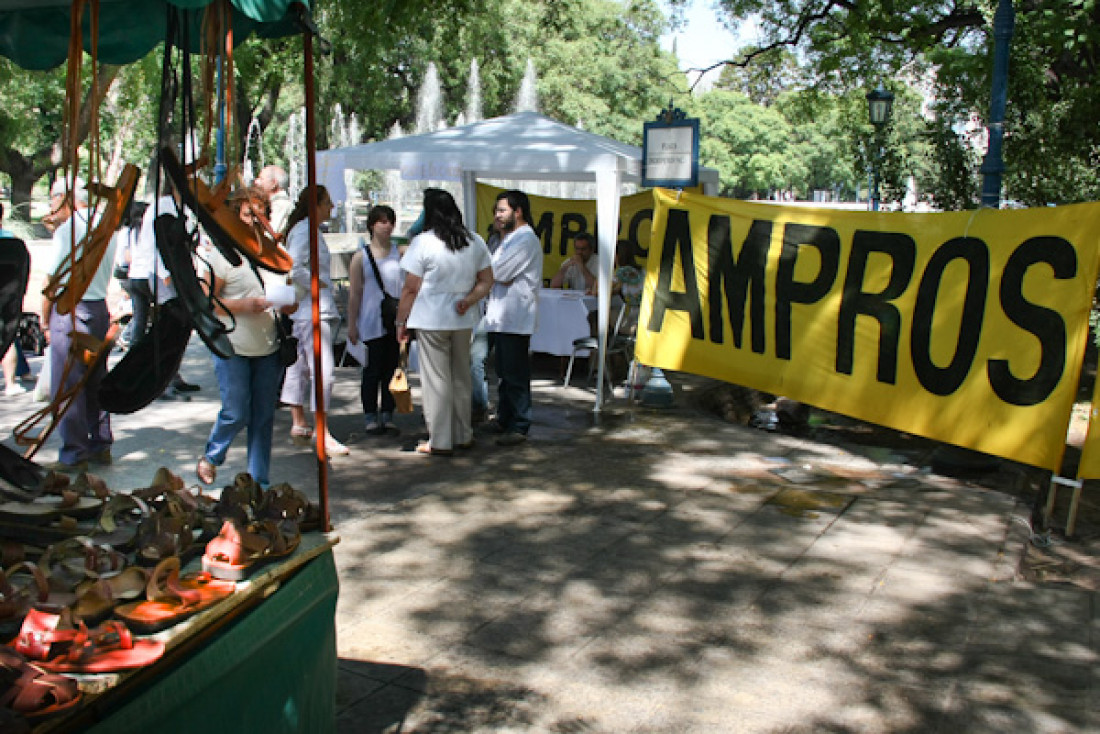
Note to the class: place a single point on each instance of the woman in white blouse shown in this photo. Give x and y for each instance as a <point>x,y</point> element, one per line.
<point>299,375</point>
<point>447,271</point>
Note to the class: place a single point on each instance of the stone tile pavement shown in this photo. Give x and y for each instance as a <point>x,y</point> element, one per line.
<point>664,571</point>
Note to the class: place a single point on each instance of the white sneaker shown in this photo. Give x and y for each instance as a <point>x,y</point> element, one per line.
<point>14,389</point>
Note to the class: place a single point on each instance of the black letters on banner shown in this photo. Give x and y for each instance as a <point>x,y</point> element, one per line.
<point>854,301</point>
<point>642,215</point>
<point>1046,324</point>
<point>788,291</point>
<point>572,224</point>
<point>946,380</point>
<point>677,239</point>
<point>544,230</point>
<point>735,276</point>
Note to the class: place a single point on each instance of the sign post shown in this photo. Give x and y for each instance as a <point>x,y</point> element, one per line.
<point>670,150</point>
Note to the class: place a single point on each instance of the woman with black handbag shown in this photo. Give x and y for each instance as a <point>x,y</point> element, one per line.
<point>248,380</point>
<point>375,280</point>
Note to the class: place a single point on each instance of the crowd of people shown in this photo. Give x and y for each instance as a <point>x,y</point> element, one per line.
<point>458,296</point>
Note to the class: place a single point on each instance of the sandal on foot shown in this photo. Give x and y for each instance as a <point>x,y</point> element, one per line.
<point>170,598</point>
<point>301,435</point>
<point>55,644</point>
<point>206,471</point>
<point>32,692</point>
<point>426,448</point>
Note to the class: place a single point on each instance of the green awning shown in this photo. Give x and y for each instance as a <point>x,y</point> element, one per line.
<point>35,33</point>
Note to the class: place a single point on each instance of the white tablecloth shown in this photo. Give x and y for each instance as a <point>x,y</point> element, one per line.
<point>563,317</point>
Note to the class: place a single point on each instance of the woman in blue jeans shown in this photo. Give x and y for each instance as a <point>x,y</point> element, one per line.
<point>249,380</point>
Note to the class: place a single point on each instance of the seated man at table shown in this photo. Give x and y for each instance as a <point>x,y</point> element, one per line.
<point>581,271</point>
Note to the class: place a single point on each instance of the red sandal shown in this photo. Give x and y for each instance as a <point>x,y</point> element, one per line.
<point>56,645</point>
<point>237,548</point>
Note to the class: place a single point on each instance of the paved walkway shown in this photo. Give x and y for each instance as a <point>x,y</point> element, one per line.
<point>663,571</point>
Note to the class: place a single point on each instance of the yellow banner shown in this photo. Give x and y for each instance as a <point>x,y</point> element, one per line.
<point>1089,466</point>
<point>558,221</point>
<point>964,327</point>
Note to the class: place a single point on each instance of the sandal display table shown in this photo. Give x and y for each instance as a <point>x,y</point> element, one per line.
<point>261,660</point>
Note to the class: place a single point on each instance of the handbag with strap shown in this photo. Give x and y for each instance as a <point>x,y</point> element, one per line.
<point>389,303</point>
<point>399,383</point>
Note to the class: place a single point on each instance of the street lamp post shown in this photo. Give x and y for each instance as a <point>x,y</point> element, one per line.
<point>1004,23</point>
<point>879,104</point>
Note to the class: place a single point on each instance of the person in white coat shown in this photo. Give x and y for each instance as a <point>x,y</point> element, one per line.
<point>512,313</point>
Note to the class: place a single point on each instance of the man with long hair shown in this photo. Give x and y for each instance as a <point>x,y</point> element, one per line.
<point>512,313</point>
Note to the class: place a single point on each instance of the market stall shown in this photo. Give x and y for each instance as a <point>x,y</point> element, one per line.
<point>158,607</point>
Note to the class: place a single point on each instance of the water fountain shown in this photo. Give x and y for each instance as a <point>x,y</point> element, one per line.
<point>295,150</point>
<point>473,93</point>
<point>429,102</point>
<point>336,131</point>
<point>527,100</point>
<point>248,171</point>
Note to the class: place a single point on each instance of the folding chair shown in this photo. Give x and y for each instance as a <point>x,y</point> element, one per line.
<point>616,344</point>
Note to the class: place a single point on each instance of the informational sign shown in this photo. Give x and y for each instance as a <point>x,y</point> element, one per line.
<point>670,153</point>
<point>964,327</point>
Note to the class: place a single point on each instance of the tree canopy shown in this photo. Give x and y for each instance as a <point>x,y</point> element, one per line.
<point>1052,141</point>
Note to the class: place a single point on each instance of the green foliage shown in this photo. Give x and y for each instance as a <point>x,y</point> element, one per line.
<point>1052,142</point>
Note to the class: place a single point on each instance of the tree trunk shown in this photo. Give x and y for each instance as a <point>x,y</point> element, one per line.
<point>23,175</point>
<point>26,170</point>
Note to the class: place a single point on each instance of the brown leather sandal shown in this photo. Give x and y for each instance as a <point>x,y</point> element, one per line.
<point>170,598</point>
<point>32,692</point>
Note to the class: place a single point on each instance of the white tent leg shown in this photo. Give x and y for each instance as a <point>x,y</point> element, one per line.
<point>608,182</point>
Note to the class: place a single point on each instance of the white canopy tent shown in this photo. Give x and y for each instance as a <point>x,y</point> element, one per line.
<point>524,146</point>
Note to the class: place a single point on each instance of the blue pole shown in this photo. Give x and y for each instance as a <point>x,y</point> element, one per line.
<point>1004,22</point>
<point>219,135</point>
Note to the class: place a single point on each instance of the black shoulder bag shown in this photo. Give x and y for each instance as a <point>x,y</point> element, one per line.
<point>389,303</point>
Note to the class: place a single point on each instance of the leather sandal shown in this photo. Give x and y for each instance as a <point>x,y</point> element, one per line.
<point>72,561</point>
<point>240,501</point>
<point>16,599</point>
<point>301,435</point>
<point>222,223</point>
<point>150,364</point>
<point>31,691</point>
<point>176,245</point>
<point>283,502</point>
<point>122,521</point>
<point>426,448</point>
<point>170,598</point>
<point>95,600</point>
<point>73,275</point>
<point>237,549</point>
<point>206,471</point>
<point>56,644</point>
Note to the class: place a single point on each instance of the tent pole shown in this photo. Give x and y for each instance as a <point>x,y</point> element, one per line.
<point>608,184</point>
<point>321,428</point>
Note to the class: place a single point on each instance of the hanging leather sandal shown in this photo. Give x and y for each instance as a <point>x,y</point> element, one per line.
<point>226,230</point>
